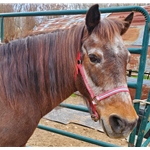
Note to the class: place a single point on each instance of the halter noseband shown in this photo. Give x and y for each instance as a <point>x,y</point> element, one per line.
<point>95,98</point>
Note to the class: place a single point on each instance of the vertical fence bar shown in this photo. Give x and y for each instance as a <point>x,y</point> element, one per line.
<point>142,65</point>
<point>146,142</point>
<point>143,123</point>
<point>2,28</point>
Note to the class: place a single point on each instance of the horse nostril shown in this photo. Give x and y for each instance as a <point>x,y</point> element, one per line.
<point>119,125</point>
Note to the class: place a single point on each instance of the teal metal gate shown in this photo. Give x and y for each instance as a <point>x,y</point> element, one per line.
<point>138,85</point>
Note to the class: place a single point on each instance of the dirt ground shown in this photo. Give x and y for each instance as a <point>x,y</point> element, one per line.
<point>42,138</point>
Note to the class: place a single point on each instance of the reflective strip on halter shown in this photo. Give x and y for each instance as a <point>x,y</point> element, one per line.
<point>111,92</point>
<point>85,81</point>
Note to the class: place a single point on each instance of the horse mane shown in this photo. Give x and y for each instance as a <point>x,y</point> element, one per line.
<point>40,66</point>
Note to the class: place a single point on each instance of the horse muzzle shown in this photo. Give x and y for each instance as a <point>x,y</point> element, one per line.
<point>119,127</point>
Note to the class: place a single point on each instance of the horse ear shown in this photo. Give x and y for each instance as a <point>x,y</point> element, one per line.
<point>127,23</point>
<point>92,17</point>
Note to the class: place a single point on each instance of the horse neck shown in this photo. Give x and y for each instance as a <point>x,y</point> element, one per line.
<point>43,68</point>
<point>61,55</point>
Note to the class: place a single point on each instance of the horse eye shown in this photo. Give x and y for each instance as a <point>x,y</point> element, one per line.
<point>94,58</point>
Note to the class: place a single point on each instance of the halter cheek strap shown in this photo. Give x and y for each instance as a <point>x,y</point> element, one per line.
<point>95,98</point>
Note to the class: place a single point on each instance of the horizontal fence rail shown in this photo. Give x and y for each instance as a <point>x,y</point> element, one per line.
<point>76,136</point>
<point>77,12</point>
<point>72,12</point>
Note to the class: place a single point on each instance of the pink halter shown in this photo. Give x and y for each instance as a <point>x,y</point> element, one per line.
<point>95,98</point>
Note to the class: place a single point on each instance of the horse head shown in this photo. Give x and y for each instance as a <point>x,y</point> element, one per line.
<point>101,76</point>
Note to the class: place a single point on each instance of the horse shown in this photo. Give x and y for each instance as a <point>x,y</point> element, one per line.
<point>39,71</point>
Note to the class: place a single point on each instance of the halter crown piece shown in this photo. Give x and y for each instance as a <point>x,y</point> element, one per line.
<point>95,98</point>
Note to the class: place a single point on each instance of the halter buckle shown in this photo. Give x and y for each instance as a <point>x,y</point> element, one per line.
<point>79,61</point>
<point>95,117</point>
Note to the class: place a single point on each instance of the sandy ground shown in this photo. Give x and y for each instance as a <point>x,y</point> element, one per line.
<point>48,139</point>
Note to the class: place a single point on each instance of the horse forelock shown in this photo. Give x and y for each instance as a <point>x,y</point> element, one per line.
<point>42,66</point>
<point>108,28</point>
